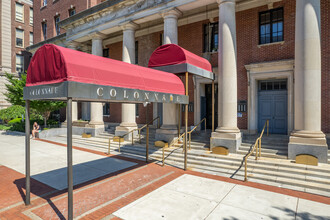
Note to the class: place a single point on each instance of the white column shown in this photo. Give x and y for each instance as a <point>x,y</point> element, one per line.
<point>307,137</point>
<point>128,116</point>
<point>227,134</point>
<point>169,128</point>
<point>96,107</point>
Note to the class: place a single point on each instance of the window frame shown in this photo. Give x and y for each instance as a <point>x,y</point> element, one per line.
<point>73,9</point>
<point>57,27</point>
<point>31,33</point>
<point>44,30</point>
<point>271,25</point>
<point>18,29</point>
<point>31,17</point>
<point>209,42</point>
<point>17,3</point>
<point>22,64</point>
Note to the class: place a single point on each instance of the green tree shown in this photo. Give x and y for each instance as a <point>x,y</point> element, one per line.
<point>14,95</point>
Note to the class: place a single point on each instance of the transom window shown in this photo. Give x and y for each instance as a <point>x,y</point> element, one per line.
<point>273,85</point>
<point>57,26</point>
<point>19,38</point>
<point>44,2</point>
<point>19,15</point>
<point>271,26</point>
<point>211,37</point>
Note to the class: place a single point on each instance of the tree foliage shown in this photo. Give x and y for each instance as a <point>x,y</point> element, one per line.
<point>14,95</point>
<point>12,112</point>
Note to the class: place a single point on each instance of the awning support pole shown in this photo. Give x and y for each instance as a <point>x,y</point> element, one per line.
<point>27,152</point>
<point>213,101</point>
<point>69,158</point>
<point>147,145</point>
<point>179,120</point>
<point>186,127</point>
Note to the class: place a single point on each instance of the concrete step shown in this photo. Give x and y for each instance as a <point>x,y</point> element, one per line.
<point>277,172</point>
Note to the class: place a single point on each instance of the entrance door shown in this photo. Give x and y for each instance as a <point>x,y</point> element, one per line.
<point>208,104</point>
<point>273,105</point>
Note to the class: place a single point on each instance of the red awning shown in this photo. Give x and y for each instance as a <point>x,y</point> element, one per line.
<point>55,64</point>
<point>172,54</point>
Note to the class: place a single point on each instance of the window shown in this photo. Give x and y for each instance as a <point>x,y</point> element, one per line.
<point>106,52</point>
<point>136,52</point>
<point>211,37</point>
<point>31,16</point>
<point>72,12</point>
<point>44,30</point>
<point>44,2</point>
<point>19,38</point>
<point>57,27</point>
<point>19,63</point>
<point>273,85</point>
<point>106,109</point>
<point>31,38</point>
<point>137,106</point>
<point>271,26</point>
<point>19,12</point>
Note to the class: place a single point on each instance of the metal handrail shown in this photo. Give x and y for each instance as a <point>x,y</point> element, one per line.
<point>144,126</point>
<point>189,132</point>
<point>256,147</point>
<point>132,131</point>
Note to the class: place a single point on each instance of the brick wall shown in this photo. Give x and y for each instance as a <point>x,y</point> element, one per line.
<point>49,12</point>
<point>191,38</point>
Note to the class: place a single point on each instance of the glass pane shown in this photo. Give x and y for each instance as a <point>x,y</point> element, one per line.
<point>263,86</point>
<point>262,30</point>
<point>268,28</point>
<point>275,27</point>
<point>269,86</point>
<point>280,26</point>
<point>283,85</point>
<point>19,12</point>
<point>267,38</point>
<point>276,85</point>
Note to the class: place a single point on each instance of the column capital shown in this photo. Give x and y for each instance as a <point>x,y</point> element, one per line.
<point>171,13</point>
<point>225,1</point>
<point>97,36</point>
<point>130,25</point>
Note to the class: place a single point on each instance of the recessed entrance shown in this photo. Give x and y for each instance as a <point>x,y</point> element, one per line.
<point>273,106</point>
<point>206,106</point>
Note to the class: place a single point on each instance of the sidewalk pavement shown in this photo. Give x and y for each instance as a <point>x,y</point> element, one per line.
<point>115,187</point>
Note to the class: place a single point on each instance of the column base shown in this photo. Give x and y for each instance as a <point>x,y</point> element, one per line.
<point>122,130</point>
<point>228,138</point>
<point>167,133</point>
<point>309,143</point>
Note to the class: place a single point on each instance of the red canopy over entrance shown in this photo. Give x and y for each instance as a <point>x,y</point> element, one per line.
<point>172,54</point>
<point>54,64</point>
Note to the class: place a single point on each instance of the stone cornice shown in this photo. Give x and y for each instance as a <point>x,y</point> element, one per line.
<point>130,25</point>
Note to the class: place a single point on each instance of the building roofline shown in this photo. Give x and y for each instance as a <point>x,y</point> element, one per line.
<point>48,41</point>
<point>89,11</point>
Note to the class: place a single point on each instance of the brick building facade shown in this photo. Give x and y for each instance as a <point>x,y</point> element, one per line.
<point>266,50</point>
<point>16,18</point>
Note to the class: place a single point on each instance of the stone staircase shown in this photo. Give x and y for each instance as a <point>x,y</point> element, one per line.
<point>272,169</point>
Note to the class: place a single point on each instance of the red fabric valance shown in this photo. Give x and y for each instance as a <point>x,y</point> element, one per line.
<point>55,64</point>
<point>172,54</point>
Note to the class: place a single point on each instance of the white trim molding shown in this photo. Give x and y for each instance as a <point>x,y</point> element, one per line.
<point>282,69</point>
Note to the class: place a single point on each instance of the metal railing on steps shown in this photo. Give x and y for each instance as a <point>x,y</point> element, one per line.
<point>256,147</point>
<point>139,131</point>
